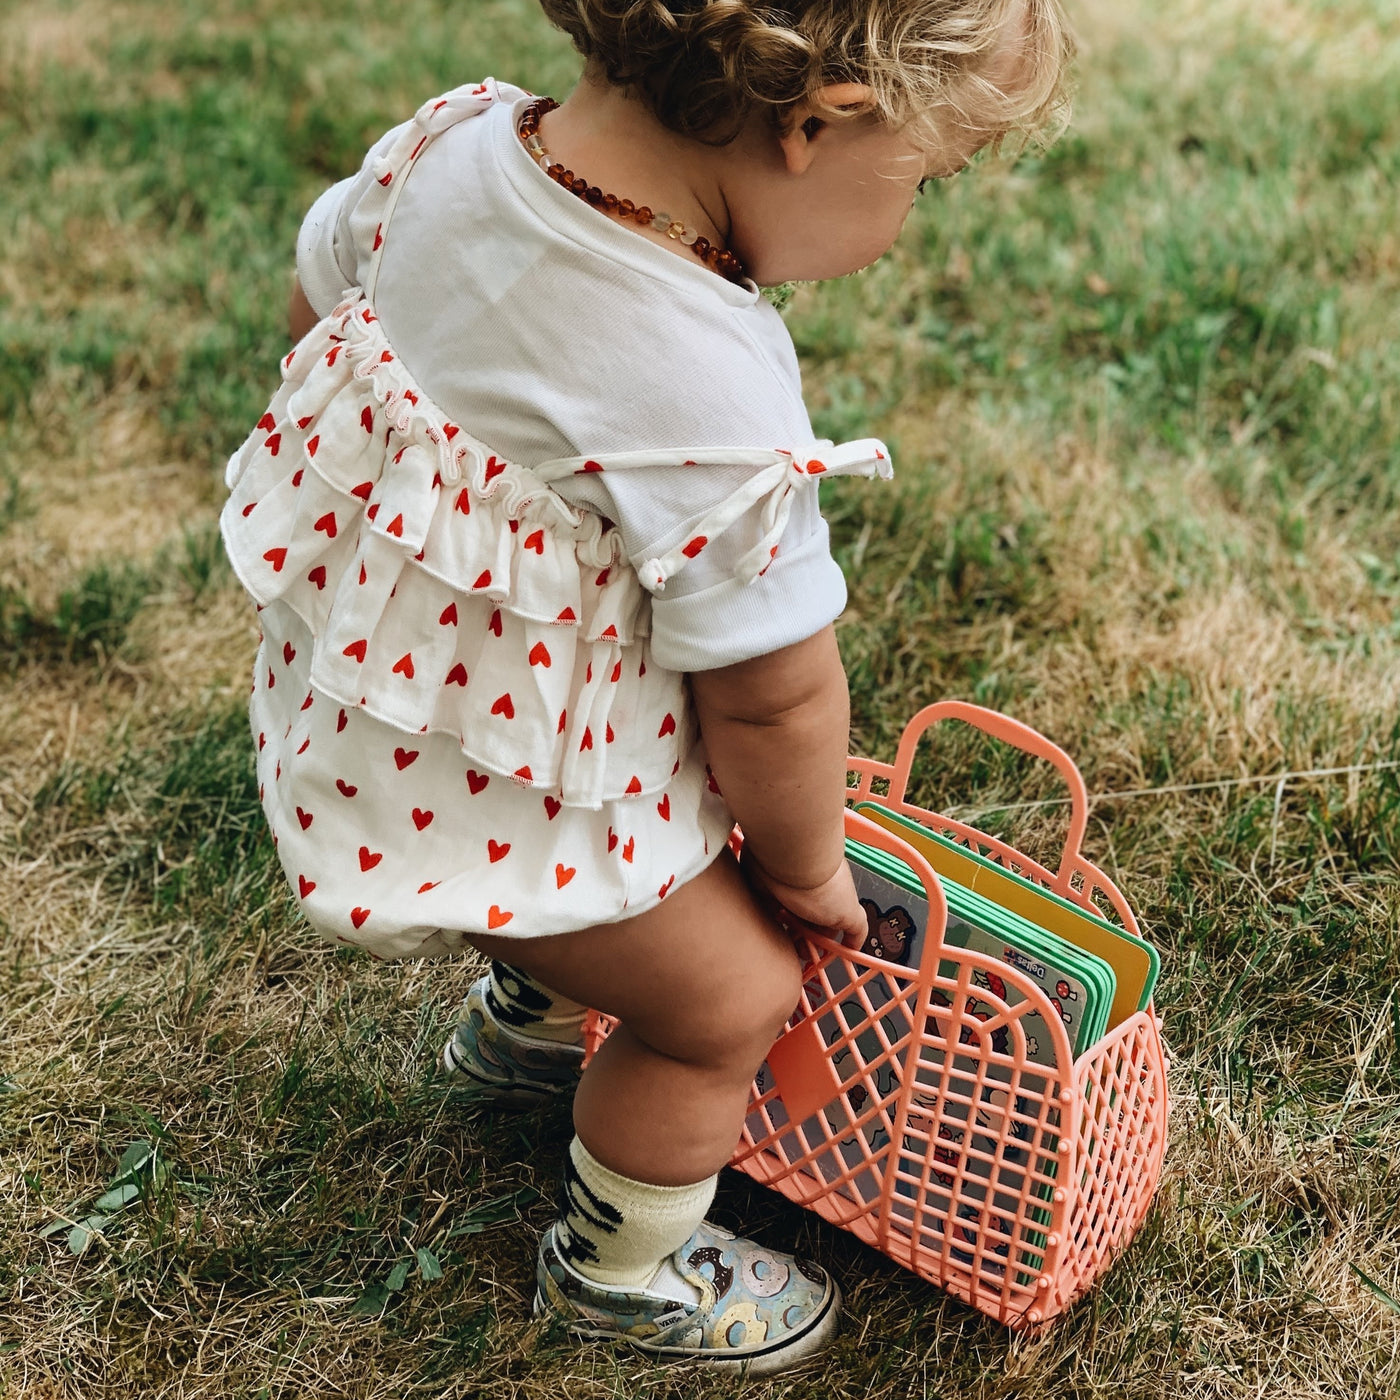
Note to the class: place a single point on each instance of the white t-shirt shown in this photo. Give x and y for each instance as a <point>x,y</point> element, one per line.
<point>551,330</point>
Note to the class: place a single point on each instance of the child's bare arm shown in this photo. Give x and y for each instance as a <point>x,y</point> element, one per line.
<point>777,729</point>
<point>301,315</point>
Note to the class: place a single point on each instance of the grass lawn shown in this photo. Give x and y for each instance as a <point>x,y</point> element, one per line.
<point>1143,393</point>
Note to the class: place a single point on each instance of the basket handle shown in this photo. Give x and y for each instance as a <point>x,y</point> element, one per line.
<point>1009,731</point>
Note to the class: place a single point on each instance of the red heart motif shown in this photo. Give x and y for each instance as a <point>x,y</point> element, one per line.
<point>524,774</point>
<point>326,523</point>
<point>616,673</point>
<point>602,578</point>
<point>422,818</point>
<point>249,509</point>
<point>346,789</point>
<point>635,786</point>
<point>317,576</point>
<point>431,885</point>
<point>483,579</point>
<point>642,669</point>
<point>504,706</point>
<point>363,490</point>
<point>476,781</point>
<point>340,722</point>
<point>378,243</point>
<point>305,744</point>
<point>609,736</point>
<point>568,615</point>
<point>494,467</point>
<point>404,666</point>
<point>710,781</point>
<point>535,541</point>
<point>274,444</point>
<point>497,851</point>
<point>367,417</point>
<point>296,477</point>
<point>815,468</point>
<point>587,741</point>
<point>363,576</point>
<point>666,888</point>
<point>403,757</point>
<point>450,431</point>
<point>262,741</point>
<point>590,466</point>
<point>539,655</point>
<point>495,623</point>
<point>563,715</point>
<point>668,726</point>
<point>276,557</point>
<point>288,653</point>
<point>610,632</point>
<point>266,423</point>
<point>563,874</point>
<point>332,353</point>
<point>312,445</point>
<point>271,679</point>
<point>357,649</point>
<point>629,848</point>
<point>457,675</point>
<point>306,704</point>
<point>358,916</point>
<point>496,917</point>
<point>395,527</point>
<point>612,838</point>
<point>664,808</point>
<point>305,885</point>
<point>372,510</point>
<point>695,546</point>
<point>464,501</point>
<point>551,807</point>
<point>448,616</point>
<point>369,859</point>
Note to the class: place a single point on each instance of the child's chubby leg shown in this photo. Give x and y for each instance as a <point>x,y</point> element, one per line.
<point>702,985</point>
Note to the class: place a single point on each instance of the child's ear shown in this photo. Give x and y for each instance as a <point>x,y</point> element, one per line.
<point>810,119</point>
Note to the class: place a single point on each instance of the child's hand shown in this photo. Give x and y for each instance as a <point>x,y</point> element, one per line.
<point>831,907</point>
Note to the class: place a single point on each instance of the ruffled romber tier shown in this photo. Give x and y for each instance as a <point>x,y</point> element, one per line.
<point>459,727</point>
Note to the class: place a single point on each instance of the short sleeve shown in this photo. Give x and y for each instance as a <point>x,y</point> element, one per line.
<point>331,251</point>
<point>322,274</point>
<point>708,615</point>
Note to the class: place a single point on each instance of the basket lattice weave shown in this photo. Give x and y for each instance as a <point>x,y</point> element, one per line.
<point>1002,1170</point>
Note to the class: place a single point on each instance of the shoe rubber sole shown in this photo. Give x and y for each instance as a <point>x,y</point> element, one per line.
<point>498,1091</point>
<point>763,1360</point>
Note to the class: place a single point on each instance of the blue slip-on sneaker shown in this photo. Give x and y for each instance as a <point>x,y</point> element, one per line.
<point>503,1064</point>
<point>720,1299</point>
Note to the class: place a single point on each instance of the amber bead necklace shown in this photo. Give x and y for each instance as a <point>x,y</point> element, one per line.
<point>721,259</point>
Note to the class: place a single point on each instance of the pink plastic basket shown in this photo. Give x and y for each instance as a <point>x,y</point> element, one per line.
<point>893,1112</point>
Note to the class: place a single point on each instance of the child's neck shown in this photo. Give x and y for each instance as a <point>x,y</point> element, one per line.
<point>615,142</point>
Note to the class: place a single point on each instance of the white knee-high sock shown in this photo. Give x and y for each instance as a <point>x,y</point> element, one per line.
<point>617,1231</point>
<point>523,1005</point>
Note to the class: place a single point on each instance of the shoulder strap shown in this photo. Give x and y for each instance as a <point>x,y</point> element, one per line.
<point>392,169</point>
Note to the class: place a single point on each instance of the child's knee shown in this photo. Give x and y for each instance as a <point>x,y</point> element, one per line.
<point>737,1012</point>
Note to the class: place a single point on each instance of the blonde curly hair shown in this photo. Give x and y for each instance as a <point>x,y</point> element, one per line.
<point>705,66</point>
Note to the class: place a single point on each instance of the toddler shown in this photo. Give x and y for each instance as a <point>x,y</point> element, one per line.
<point>546,600</point>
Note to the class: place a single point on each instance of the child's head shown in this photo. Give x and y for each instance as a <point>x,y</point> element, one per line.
<point>886,92</point>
